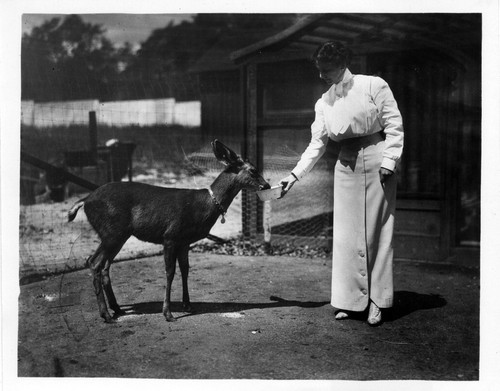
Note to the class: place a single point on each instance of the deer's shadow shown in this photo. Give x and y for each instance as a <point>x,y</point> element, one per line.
<point>156,307</point>
<point>405,303</point>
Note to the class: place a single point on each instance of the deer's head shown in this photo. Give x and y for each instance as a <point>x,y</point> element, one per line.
<point>245,172</point>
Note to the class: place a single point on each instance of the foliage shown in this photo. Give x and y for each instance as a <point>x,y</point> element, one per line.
<point>241,246</point>
<point>167,55</point>
<point>173,49</point>
<point>67,58</point>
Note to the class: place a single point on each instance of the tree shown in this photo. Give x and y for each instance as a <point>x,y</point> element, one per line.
<point>161,66</point>
<point>69,59</point>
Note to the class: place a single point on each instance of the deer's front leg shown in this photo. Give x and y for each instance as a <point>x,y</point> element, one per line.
<point>183,257</point>
<point>170,260</point>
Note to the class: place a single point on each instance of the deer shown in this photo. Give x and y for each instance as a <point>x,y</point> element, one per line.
<point>173,217</point>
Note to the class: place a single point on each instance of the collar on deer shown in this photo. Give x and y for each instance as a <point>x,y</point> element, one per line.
<point>221,209</point>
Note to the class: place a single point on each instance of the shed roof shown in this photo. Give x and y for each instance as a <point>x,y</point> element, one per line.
<point>453,34</point>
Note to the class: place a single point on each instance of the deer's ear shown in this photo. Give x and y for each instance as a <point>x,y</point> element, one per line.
<point>224,154</point>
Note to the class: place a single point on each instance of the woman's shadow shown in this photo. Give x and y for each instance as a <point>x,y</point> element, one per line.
<point>405,303</point>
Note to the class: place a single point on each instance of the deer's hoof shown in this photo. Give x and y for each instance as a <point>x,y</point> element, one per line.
<point>109,319</point>
<point>187,307</point>
<point>119,312</point>
<point>170,318</point>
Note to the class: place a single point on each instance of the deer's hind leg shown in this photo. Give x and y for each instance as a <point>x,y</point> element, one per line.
<point>106,281</point>
<point>96,264</point>
<point>99,263</point>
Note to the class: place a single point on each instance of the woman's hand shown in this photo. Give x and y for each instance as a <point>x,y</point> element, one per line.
<point>384,174</point>
<point>286,184</point>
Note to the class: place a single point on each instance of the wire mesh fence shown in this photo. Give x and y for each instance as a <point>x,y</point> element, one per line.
<point>160,153</point>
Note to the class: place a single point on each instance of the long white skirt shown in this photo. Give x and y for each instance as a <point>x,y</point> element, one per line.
<point>363,222</point>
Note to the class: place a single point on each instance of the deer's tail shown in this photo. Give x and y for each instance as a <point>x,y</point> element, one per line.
<point>74,209</point>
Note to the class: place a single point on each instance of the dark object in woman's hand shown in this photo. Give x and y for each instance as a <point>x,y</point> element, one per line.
<point>384,174</point>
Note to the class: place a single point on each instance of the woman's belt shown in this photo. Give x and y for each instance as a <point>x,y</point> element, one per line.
<point>362,140</point>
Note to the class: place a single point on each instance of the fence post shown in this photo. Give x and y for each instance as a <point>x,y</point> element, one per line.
<point>267,227</point>
<point>252,209</point>
<point>93,135</point>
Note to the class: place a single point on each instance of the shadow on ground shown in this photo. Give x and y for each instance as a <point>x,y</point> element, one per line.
<point>405,303</point>
<point>199,308</point>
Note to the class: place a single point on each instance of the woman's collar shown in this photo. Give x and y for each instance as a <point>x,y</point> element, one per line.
<point>337,89</point>
<point>347,76</point>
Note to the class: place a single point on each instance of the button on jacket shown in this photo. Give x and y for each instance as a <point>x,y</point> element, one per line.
<point>358,106</point>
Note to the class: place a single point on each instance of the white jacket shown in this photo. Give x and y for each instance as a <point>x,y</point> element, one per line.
<point>358,106</point>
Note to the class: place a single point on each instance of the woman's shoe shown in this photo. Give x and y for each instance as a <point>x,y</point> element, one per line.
<point>374,315</point>
<point>340,315</point>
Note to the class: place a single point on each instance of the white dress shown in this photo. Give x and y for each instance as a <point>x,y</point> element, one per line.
<point>361,114</point>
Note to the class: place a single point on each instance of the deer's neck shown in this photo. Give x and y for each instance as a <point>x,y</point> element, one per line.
<point>225,188</point>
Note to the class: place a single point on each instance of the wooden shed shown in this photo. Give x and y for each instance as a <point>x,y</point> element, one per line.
<point>433,64</point>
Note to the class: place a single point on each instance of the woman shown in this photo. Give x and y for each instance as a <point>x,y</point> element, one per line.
<point>360,113</point>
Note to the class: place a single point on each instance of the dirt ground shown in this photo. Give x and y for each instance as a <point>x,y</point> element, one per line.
<point>255,318</point>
